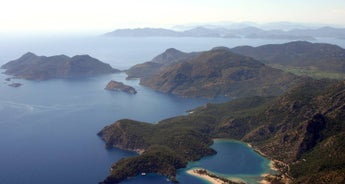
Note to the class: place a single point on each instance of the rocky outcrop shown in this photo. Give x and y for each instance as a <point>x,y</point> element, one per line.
<point>119,86</point>
<point>33,67</point>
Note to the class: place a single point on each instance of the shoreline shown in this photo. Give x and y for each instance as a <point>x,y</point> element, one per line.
<point>211,177</point>
<point>266,177</point>
<point>275,165</point>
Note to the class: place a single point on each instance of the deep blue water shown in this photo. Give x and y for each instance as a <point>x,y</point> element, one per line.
<point>48,129</point>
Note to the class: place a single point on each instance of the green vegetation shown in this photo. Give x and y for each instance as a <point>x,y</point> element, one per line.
<point>324,164</point>
<point>310,72</point>
<point>149,68</point>
<point>220,72</point>
<point>310,57</point>
<point>157,159</point>
<point>33,67</point>
<point>304,128</point>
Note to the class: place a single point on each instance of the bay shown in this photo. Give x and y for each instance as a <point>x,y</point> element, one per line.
<point>48,128</point>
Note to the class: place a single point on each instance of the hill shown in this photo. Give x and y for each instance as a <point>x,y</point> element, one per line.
<point>33,67</point>
<point>303,131</point>
<point>320,56</point>
<point>219,72</point>
<point>149,68</point>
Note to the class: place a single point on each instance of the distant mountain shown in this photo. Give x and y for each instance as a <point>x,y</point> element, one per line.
<point>281,25</point>
<point>143,32</point>
<point>222,32</point>
<point>219,72</point>
<point>321,32</point>
<point>302,131</point>
<point>322,56</point>
<point>149,68</point>
<point>33,67</point>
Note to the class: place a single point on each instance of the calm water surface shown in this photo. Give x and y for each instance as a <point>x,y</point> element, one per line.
<point>48,129</point>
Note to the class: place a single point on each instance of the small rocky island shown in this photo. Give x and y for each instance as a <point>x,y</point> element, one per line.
<point>15,85</point>
<point>33,67</point>
<point>119,86</point>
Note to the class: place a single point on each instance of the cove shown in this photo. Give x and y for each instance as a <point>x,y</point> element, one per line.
<point>234,159</point>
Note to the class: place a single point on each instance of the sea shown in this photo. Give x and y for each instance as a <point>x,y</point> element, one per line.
<point>48,129</point>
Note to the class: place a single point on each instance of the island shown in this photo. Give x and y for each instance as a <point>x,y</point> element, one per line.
<point>119,86</point>
<point>33,67</point>
<point>302,131</point>
<point>15,84</point>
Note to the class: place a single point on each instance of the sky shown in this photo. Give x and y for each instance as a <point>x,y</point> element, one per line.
<point>107,15</point>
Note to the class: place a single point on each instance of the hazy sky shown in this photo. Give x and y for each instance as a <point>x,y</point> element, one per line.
<point>97,15</point>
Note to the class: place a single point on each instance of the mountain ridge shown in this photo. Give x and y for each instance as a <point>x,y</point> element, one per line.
<point>322,56</point>
<point>221,32</point>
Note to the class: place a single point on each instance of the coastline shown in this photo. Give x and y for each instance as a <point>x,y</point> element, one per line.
<point>275,170</point>
<point>211,177</point>
<point>266,178</point>
<point>275,165</point>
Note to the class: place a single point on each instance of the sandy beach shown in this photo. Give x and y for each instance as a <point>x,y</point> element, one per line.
<point>264,181</point>
<point>205,177</point>
<point>211,179</point>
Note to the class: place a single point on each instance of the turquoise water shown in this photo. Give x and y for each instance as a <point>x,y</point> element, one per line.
<point>235,159</point>
<point>48,129</point>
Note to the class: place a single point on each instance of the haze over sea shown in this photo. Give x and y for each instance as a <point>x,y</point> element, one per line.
<point>48,129</point>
